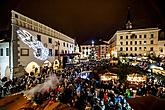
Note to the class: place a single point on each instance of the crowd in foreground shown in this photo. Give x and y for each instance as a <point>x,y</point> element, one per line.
<point>89,93</point>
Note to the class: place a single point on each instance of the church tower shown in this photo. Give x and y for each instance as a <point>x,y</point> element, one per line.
<point>128,22</point>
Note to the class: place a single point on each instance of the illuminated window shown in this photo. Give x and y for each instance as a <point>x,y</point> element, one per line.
<point>144,42</point>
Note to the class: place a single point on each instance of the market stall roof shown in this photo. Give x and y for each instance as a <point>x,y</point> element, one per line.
<point>147,103</point>
<point>136,77</point>
<point>108,76</point>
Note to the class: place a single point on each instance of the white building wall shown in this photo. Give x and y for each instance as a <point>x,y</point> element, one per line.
<point>142,48</point>
<point>87,49</point>
<point>4,60</point>
<point>24,60</point>
<point>21,22</point>
<point>161,46</point>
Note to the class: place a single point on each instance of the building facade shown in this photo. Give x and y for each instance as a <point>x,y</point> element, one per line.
<point>34,44</point>
<point>161,48</point>
<point>97,50</point>
<point>136,42</point>
<point>4,59</point>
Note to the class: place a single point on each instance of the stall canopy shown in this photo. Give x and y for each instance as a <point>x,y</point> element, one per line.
<point>108,76</point>
<point>136,78</point>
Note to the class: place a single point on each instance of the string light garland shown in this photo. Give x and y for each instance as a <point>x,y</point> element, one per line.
<point>40,52</point>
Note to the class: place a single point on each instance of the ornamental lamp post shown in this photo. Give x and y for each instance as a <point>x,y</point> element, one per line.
<point>92,52</point>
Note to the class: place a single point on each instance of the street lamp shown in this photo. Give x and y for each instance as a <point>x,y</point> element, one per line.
<point>92,50</point>
<point>93,42</point>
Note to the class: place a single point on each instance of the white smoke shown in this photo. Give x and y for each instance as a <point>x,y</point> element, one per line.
<point>51,82</point>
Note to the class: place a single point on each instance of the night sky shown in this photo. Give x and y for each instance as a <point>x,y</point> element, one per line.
<point>87,19</point>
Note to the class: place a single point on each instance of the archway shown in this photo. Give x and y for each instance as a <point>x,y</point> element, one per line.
<point>47,63</point>
<point>56,64</point>
<point>33,67</point>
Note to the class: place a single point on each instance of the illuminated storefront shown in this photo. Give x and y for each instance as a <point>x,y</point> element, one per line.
<point>136,78</point>
<point>108,77</point>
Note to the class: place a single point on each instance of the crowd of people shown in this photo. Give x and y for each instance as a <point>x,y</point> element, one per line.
<point>25,82</point>
<point>89,93</point>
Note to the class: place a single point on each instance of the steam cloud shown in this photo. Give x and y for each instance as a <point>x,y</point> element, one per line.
<point>51,82</point>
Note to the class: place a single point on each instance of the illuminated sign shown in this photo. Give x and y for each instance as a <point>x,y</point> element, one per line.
<point>40,52</point>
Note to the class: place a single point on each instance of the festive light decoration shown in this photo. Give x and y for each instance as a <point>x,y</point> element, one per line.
<point>40,52</point>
